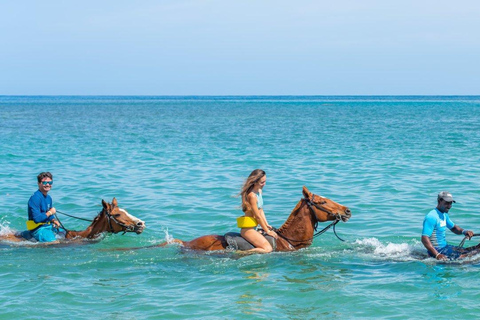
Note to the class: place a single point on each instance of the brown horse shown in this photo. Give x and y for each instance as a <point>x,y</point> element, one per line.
<point>296,233</point>
<point>111,219</point>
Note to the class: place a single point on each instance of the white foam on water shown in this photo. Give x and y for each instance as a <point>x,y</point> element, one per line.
<point>394,251</point>
<point>168,237</point>
<point>5,228</point>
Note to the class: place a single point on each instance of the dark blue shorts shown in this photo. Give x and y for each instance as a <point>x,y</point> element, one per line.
<point>454,252</point>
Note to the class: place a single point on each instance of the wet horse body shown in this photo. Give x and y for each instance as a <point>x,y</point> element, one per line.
<point>111,219</point>
<point>296,233</point>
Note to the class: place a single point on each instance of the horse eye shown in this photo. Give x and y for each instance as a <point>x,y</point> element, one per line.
<point>117,215</point>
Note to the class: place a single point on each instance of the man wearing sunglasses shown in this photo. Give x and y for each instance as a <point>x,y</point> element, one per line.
<point>435,226</point>
<point>41,214</point>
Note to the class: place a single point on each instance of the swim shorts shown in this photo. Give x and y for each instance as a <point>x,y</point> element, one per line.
<point>452,252</point>
<point>46,233</point>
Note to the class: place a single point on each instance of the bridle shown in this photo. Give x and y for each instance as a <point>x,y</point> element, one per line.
<point>310,203</point>
<point>125,228</point>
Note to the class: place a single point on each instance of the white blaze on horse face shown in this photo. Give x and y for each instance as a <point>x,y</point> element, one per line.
<point>133,218</point>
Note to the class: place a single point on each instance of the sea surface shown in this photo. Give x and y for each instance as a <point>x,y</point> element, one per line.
<point>178,163</point>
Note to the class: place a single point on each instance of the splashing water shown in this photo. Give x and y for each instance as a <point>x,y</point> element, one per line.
<point>394,251</point>
<point>5,228</point>
<point>168,237</point>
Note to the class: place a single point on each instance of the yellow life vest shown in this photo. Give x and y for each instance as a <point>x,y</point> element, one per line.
<point>31,225</point>
<point>246,222</point>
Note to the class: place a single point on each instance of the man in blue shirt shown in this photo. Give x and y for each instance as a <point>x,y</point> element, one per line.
<point>435,225</point>
<point>41,214</point>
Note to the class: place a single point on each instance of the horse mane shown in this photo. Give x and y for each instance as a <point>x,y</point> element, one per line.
<point>97,217</point>
<point>292,215</point>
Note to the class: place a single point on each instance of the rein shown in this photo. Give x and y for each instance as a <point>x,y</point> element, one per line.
<point>110,217</point>
<point>68,215</point>
<point>310,205</point>
<point>334,223</point>
<point>463,241</point>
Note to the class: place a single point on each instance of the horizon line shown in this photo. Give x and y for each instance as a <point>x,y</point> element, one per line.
<point>240,95</point>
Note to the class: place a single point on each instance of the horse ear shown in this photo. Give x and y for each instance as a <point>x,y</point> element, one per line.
<point>114,202</point>
<point>306,193</point>
<point>104,204</point>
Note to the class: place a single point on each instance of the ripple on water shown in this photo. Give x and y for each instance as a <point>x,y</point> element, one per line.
<point>178,163</point>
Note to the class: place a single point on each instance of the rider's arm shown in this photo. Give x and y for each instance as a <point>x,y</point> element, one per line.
<point>428,229</point>
<point>458,230</point>
<point>259,216</point>
<point>252,200</point>
<point>428,245</point>
<point>36,213</point>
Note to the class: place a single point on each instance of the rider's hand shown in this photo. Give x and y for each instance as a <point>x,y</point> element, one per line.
<point>56,223</point>
<point>272,233</point>
<point>441,257</point>
<point>51,212</point>
<point>468,233</point>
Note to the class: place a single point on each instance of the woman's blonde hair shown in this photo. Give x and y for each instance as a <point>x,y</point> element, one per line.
<point>253,178</point>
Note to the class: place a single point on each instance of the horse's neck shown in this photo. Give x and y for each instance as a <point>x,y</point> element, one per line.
<point>299,228</point>
<point>98,226</point>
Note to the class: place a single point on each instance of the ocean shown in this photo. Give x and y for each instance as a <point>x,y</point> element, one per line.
<point>178,163</point>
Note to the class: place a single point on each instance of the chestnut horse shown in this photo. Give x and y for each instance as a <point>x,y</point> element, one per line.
<point>296,233</point>
<point>111,219</point>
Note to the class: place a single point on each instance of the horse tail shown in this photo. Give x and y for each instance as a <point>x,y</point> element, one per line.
<point>163,244</point>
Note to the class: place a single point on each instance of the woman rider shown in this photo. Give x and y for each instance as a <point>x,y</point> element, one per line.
<point>252,206</point>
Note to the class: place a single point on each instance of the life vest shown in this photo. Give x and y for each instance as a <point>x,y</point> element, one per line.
<point>31,225</point>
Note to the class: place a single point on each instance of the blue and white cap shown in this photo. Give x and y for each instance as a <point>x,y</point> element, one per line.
<point>445,196</point>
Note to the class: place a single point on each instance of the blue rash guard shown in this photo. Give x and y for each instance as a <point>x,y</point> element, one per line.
<point>38,205</point>
<point>435,226</point>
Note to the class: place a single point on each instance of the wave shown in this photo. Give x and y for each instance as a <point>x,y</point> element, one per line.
<point>374,249</point>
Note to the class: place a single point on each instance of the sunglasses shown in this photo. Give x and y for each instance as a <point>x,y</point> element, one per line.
<point>47,182</point>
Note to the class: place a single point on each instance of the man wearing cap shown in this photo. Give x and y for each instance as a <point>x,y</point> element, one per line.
<point>435,225</point>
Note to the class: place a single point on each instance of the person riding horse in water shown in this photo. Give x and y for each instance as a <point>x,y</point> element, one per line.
<point>41,214</point>
<point>252,206</point>
<point>296,233</point>
<point>43,225</point>
<point>435,225</point>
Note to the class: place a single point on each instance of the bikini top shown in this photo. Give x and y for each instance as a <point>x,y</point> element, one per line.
<point>259,200</point>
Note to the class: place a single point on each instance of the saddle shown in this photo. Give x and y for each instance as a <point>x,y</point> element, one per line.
<point>27,235</point>
<point>237,242</point>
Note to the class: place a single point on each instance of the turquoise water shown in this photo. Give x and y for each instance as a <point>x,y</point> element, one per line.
<point>178,163</point>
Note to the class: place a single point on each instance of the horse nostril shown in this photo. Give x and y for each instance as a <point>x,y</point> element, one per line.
<point>140,223</point>
<point>347,211</point>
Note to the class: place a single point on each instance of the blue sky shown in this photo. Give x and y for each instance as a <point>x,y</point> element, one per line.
<point>222,47</point>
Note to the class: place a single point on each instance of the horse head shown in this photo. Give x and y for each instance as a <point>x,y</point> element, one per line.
<point>325,209</point>
<point>119,220</point>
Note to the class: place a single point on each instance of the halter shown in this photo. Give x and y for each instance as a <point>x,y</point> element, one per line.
<point>310,205</point>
